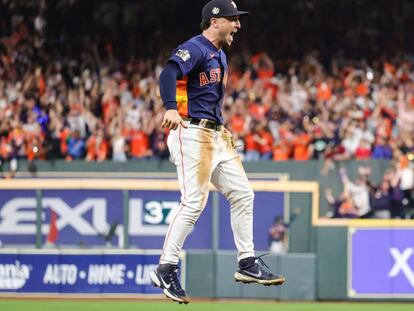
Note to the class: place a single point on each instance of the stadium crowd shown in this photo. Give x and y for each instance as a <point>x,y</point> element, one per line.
<point>66,94</point>
<point>95,106</point>
<point>392,197</point>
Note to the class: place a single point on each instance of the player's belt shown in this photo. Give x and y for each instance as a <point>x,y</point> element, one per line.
<point>208,124</point>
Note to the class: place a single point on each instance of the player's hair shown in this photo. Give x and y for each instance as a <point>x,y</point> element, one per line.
<point>204,25</point>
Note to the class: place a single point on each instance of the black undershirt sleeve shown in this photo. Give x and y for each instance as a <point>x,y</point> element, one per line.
<point>168,79</point>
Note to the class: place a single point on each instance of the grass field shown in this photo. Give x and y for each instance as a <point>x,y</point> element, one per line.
<point>63,305</point>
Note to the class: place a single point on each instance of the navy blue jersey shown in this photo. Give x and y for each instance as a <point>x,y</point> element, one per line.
<point>201,90</point>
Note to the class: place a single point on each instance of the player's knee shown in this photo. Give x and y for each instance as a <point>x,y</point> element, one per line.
<point>246,196</point>
<point>250,196</point>
<point>191,211</point>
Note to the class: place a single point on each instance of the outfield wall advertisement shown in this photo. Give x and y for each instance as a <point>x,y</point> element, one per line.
<point>69,272</point>
<point>95,218</point>
<point>381,263</point>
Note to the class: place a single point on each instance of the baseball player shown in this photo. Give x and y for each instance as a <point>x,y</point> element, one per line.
<point>192,87</point>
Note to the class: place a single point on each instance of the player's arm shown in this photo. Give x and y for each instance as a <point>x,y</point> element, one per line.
<point>183,60</point>
<point>168,79</point>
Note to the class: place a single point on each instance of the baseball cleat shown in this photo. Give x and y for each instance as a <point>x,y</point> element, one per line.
<point>166,277</point>
<point>253,270</point>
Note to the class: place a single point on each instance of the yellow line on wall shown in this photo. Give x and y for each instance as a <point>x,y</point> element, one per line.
<point>368,223</point>
<point>143,184</point>
<point>311,187</point>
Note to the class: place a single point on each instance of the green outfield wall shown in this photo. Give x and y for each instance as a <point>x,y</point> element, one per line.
<point>317,262</point>
<point>295,170</point>
<point>215,278</point>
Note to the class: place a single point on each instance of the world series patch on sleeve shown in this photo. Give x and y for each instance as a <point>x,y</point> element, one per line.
<point>183,54</point>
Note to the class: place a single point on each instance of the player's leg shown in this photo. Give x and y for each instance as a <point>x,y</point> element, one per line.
<point>192,152</point>
<point>230,178</point>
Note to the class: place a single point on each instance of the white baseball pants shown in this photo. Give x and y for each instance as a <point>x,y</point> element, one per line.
<point>202,155</point>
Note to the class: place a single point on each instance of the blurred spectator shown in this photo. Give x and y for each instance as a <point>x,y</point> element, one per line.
<point>139,143</point>
<point>393,177</point>
<point>159,145</point>
<point>363,151</point>
<point>318,144</point>
<point>381,199</point>
<point>381,150</point>
<point>358,191</point>
<point>252,145</point>
<point>405,112</point>
<point>278,231</point>
<point>76,146</point>
<point>277,235</point>
<point>265,141</point>
<point>343,207</point>
<point>97,147</point>
<point>300,145</point>
<point>386,197</point>
<point>119,147</point>
<point>281,151</point>
<point>405,171</point>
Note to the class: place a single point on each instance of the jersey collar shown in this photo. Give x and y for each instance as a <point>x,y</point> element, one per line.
<point>209,43</point>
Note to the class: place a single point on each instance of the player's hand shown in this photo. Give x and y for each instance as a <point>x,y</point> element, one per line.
<point>172,120</point>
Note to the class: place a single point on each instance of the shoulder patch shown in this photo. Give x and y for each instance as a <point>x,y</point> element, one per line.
<point>183,54</point>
